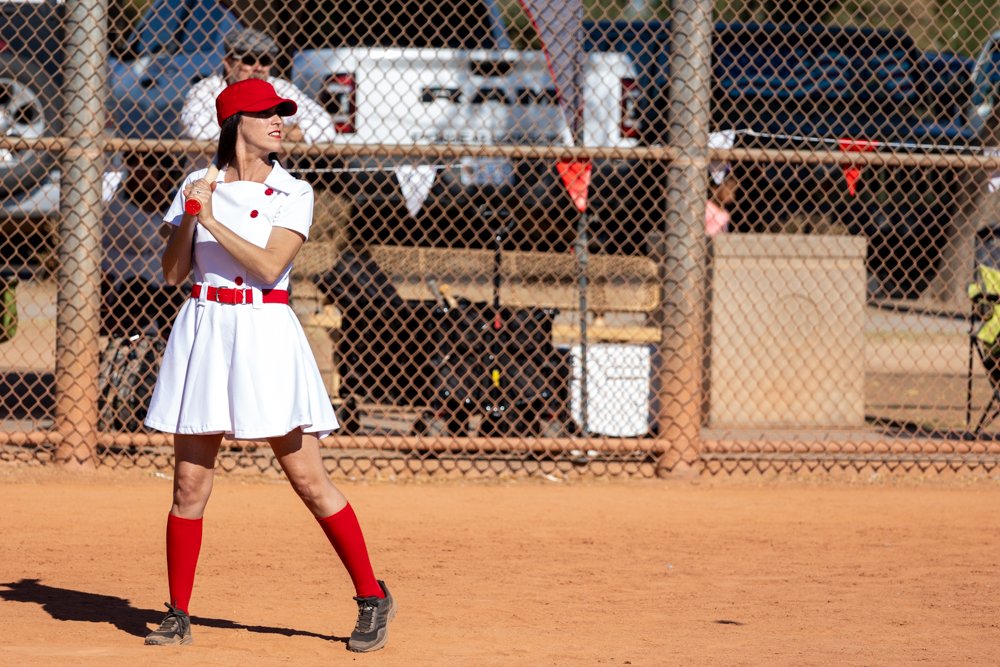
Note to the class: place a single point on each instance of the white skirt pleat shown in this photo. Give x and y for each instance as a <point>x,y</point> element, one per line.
<point>242,371</point>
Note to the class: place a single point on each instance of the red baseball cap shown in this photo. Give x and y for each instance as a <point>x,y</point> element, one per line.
<point>251,95</point>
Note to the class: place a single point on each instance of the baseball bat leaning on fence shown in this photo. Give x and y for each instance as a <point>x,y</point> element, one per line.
<point>193,206</point>
<point>445,292</point>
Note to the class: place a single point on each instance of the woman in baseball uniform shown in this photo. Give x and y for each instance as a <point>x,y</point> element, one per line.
<point>237,362</point>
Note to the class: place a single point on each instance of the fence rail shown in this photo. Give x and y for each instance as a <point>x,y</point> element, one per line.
<point>971,158</point>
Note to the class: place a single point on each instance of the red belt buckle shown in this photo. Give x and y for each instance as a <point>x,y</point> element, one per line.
<point>228,295</point>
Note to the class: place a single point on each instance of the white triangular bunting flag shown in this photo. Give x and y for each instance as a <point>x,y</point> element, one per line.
<point>415,181</point>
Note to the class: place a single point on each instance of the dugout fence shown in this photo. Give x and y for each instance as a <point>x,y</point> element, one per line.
<point>550,239</point>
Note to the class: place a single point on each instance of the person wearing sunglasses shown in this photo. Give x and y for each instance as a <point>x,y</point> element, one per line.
<point>250,54</point>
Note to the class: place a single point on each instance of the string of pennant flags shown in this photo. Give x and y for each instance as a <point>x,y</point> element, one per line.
<point>852,173</point>
<point>416,180</point>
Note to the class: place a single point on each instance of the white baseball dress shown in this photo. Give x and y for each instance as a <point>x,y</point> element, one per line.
<point>244,370</point>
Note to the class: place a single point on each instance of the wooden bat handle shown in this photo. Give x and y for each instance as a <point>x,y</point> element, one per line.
<point>193,206</point>
<point>445,292</point>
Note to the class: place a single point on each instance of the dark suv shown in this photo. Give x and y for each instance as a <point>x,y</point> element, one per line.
<point>813,87</point>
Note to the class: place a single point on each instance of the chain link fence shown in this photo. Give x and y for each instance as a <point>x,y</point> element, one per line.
<point>549,238</point>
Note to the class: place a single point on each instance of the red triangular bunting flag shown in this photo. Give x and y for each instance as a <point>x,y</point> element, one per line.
<point>853,175</point>
<point>857,145</point>
<point>575,176</point>
<point>851,172</point>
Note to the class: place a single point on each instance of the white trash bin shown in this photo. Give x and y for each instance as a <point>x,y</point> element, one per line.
<point>618,389</point>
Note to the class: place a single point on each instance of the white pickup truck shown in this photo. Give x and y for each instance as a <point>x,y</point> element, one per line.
<point>421,96</point>
<point>444,73</point>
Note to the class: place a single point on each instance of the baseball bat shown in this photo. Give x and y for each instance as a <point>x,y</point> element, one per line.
<point>432,284</point>
<point>193,206</point>
<point>445,292</point>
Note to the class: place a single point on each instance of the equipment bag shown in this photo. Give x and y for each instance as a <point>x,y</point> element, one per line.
<point>129,365</point>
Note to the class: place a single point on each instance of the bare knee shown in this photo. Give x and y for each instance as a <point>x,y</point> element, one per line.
<point>194,470</point>
<point>192,489</point>
<point>317,492</point>
<point>309,486</point>
<point>299,456</point>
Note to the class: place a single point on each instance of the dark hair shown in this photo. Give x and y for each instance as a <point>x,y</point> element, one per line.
<point>227,141</point>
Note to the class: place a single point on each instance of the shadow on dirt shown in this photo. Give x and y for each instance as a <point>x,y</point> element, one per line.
<point>65,604</point>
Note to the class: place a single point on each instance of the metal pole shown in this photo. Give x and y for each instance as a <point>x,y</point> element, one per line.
<point>681,248</point>
<point>582,260</point>
<point>968,377</point>
<point>79,275</point>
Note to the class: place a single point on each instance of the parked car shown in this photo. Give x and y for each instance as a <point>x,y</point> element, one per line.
<point>30,80</point>
<point>31,57</point>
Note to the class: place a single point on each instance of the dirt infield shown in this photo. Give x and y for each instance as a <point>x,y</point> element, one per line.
<point>696,572</point>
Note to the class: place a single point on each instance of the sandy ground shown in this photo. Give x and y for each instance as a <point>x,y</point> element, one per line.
<point>675,572</point>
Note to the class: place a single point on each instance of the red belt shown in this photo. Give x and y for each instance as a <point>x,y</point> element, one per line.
<point>239,295</point>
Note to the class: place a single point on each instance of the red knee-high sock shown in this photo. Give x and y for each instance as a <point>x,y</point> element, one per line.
<point>344,533</point>
<point>183,545</point>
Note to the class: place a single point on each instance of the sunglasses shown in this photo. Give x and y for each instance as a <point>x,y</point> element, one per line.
<point>265,114</point>
<point>251,59</point>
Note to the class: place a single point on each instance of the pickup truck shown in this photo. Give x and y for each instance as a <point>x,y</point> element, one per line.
<point>396,78</point>
<point>811,87</point>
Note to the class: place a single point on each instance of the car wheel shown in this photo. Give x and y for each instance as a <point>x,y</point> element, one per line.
<point>27,109</point>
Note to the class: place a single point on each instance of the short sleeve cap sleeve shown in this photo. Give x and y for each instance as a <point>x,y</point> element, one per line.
<point>297,211</point>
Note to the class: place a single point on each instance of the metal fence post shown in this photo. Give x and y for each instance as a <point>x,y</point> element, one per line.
<point>79,275</point>
<point>681,250</point>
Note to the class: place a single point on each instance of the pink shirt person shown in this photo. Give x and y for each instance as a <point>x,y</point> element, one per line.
<point>716,218</point>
